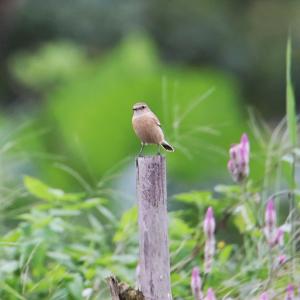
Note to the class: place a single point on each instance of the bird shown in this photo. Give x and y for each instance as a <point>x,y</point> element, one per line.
<point>147,127</point>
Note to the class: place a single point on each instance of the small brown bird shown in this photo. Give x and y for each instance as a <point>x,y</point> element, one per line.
<point>147,127</point>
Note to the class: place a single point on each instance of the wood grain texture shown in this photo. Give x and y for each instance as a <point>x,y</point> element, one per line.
<point>154,257</point>
<point>113,287</point>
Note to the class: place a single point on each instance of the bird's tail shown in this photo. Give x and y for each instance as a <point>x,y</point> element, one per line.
<point>167,146</point>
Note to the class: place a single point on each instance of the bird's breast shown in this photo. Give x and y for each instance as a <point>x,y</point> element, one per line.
<point>147,130</point>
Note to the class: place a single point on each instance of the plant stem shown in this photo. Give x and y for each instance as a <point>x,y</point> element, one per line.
<point>293,216</point>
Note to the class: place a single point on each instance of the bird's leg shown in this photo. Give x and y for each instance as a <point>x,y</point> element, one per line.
<point>158,149</point>
<point>142,148</point>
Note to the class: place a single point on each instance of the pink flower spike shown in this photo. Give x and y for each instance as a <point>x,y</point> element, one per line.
<point>270,215</point>
<point>210,295</point>
<point>290,295</point>
<point>196,284</point>
<point>238,164</point>
<point>209,224</point>
<point>209,251</point>
<point>270,223</point>
<point>264,296</point>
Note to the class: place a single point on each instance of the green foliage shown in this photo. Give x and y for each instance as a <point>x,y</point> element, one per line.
<point>67,244</point>
<point>58,247</point>
<point>64,244</point>
<point>89,106</point>
<point>42,191</point>
<point>55,62</point>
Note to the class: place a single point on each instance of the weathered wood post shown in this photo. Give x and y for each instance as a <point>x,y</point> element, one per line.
<point>154,260</point>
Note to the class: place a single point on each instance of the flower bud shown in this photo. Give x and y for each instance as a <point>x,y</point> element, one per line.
<point>196,284</point>
<point>209,223</point>
<point>270,215</point>
<point>238,165</point>
<point>210,295</point>
<point>270,222</point>
<point>245,146</point>
<point>209,226</point>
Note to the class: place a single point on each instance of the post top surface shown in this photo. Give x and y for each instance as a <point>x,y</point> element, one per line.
<point>150,158</point>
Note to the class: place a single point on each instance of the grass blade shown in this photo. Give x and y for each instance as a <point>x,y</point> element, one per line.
<point>11,291</point>
<point>290,98</point>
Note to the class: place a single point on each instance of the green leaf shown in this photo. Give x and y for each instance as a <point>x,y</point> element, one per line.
<point>244,218</point>
<point>107,214</point>
<point>76,287</point>
<point>228,189</point>
<point>127,225</point>
<point>290,97</point>
<point>87,204</point>
<point>59,256</point>
<point>64,212</point>
<point>11,237</point>
<point>204,198</point>
<point>178,228</point>
<point>11,291</point>
<point>225,254</point>
<point>125,259</point>
<point>40,190</point>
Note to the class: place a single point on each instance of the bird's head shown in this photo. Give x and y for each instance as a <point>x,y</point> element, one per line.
<point>140,107</point>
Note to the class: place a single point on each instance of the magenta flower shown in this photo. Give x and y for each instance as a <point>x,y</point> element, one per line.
<point>196,284</point>
<point>270,215</point>
<point>264,296</point>
<point>209,226</point>
<point>270,222</point>
<point>209,223</point>
<point>290,295</point>
<point>238,164</point>
<point>210,295</point>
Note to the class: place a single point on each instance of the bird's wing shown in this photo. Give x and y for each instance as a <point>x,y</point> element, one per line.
<point>156,120</point>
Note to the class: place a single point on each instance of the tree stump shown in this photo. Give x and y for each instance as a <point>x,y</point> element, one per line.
<point>122,291</point>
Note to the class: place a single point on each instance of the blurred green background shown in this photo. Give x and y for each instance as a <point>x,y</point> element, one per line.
<point>70,72</point>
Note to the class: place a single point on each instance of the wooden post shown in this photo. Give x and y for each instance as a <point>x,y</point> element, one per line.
<point>154,260</point>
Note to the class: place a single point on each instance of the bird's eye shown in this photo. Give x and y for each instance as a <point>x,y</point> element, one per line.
<point>144,106</point>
